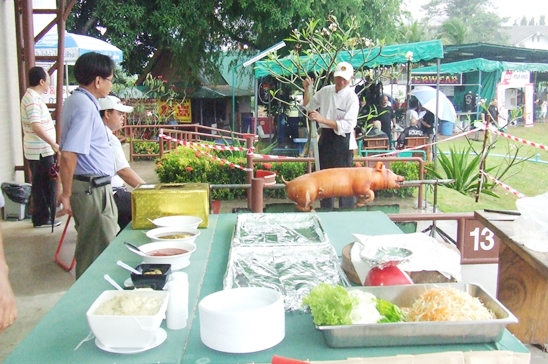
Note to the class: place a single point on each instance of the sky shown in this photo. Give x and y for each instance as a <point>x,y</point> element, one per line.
<point>515,9</point>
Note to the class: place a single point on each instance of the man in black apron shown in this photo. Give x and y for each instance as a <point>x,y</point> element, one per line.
<point>335,108</point>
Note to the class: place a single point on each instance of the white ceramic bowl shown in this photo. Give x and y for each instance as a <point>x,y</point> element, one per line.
<point>242,320</point>
<point>180,221</point>
<point>159,233</point>
<point>177,261</point>
<point>126,331</point>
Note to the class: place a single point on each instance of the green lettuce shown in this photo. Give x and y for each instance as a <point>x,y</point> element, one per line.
<point>330,305</point>
<point>390,312</point>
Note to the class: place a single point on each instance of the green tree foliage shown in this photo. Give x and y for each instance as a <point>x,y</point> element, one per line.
<point>454,31</point>
<point>523,21</point>
<point>484,25</point>
<point>413,31</point>
<point>532,21</point>
<point>194,30</point>
<point>542,20</point>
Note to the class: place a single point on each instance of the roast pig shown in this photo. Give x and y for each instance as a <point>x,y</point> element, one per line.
<point>341,182</point>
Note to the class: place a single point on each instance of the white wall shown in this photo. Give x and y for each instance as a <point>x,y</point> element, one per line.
<point>11,150</point>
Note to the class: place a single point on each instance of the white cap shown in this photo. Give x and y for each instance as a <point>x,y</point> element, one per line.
<point>344,70</point>
<point>112,102</point>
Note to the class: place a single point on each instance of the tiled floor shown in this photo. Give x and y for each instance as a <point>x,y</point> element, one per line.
<point>39,282</point>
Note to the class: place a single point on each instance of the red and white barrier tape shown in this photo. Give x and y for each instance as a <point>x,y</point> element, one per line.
<point>503,185</point>
<point>192,146</point>
<point>223,147</point>
<point>527,142</point>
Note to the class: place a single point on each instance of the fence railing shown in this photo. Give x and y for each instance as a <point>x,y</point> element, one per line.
<point>134,134</point>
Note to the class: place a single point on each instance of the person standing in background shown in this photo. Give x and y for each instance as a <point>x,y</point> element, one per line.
<point>87,164</point>
<point>412,113</point>
<point>113,113</point>
<point>336,109</point>
<point>543,110</point>
<point>39,146</point>
<point>387,118</point>
<point>8,307</point>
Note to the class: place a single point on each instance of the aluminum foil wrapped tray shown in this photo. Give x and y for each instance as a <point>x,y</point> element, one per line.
<point>286,252</point>
<point>278,229</point>
<point>421,333</point>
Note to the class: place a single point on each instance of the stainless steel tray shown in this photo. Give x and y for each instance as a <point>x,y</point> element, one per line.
<point>421,333</point>
<point>278,229</point>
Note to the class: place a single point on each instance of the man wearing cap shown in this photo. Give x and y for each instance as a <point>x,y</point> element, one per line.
<point>113,113</point>
<point>335,108</point>
<point>87,164</point>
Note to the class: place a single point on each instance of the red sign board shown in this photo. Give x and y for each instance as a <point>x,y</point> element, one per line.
<point>431,79</point>
<point>480,244</point>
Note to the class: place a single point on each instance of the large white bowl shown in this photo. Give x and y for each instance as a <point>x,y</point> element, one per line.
<point>156,234</point>
<point>242,320</point>
<point>126,331</point>
<point>177,261</point>
<point>180,221</point>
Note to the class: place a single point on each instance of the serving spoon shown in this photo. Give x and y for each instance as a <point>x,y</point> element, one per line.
<point>111,281</point>
<point>135,249</point>
<point>125,266</point>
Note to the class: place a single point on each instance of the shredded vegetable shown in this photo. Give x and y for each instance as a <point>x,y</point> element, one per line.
<point>448,304</point>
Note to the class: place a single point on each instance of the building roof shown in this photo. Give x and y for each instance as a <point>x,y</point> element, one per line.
<point>480,64</point>
<point>518,34</point>
<point>494,52</point>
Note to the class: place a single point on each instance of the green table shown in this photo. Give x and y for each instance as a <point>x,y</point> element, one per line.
<point>54,338</point>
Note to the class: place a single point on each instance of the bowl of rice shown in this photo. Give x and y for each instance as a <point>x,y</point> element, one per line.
<point>127,319</point>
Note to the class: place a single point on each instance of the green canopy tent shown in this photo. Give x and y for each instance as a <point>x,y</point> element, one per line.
<point>360,58</point>
<point>483,73</point>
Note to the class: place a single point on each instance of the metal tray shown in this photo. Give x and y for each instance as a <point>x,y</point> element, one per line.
<point>421,333</point>
<point>278,229</point>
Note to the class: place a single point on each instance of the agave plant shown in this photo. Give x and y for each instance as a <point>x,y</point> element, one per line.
<point>464,169</point>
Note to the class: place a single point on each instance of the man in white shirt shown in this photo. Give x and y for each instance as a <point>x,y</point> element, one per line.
<point>335,108</point>
<point>113,113</point>
<point>412,113</point>
<point>39,146</point>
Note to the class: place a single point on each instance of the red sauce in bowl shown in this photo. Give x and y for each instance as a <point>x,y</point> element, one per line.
<point>167,252</point>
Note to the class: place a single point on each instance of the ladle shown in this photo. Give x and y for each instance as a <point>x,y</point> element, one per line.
<point>135,249</point>
<point>125,266</point>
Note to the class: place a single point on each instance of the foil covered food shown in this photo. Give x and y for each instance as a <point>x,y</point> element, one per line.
<point>286,252</point>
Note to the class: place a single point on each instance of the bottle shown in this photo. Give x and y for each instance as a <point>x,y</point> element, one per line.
<point>177,305</point>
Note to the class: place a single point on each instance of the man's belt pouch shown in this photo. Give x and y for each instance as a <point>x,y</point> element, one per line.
<point>100,181</point>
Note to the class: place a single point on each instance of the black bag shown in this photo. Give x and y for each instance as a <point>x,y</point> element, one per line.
<point>17,192</point>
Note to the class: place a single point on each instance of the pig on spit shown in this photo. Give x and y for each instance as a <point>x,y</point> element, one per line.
<point>341,182</point>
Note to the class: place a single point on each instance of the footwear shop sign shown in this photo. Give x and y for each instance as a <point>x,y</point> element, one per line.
<point>432,78</point>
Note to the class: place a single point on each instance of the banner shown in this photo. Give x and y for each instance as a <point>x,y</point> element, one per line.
<point>431,79</point>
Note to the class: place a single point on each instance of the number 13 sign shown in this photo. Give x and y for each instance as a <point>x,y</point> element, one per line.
<point>480,244</point>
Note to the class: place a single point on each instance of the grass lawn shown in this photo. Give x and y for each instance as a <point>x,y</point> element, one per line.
<point>527,177</point>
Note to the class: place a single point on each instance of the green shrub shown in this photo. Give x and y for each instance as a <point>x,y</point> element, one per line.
<point>184,165</point>
<point>409,170</point>
<point>146,148</point>
<point>463,170</point>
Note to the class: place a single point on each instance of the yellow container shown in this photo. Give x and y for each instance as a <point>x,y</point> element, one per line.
<point>169,199</point>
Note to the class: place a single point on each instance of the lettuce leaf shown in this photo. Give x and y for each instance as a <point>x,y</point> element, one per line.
<point>330,305</point>
<point>390,312</point>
